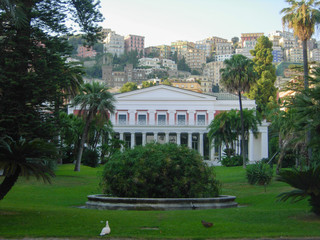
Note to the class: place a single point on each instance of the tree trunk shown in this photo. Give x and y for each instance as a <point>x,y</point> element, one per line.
<point>306,87</point>
<point>8,183</point>
<point>83,140</point>
<point>242,132</point>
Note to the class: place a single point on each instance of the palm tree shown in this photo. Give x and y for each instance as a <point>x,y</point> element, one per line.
<point>24,158</point>
<point>302,17</point>
<point>307,184</point>
<point>221,130</point>
<point>238,76</point>
<point>93,99</point>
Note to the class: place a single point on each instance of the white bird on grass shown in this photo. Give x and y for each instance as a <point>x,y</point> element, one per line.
<point>106,230</point>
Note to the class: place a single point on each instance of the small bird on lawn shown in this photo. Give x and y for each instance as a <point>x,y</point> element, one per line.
<point>106,230</point>
<point>206,224</point>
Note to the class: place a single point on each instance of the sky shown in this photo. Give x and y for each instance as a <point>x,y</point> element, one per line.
<point>166,21</point>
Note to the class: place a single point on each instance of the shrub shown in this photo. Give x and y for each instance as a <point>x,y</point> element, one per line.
<point>306,183</point>
<point>232,161</point>
<point>90,157</point>
<point>259,173</point>
<point>159,171</point>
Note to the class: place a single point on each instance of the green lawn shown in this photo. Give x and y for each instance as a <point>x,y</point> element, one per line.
<point>34,209</point>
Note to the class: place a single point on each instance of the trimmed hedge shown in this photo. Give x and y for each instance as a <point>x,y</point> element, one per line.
<point>159,171</point>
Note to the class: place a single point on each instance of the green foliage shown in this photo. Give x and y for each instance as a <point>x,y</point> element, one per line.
<point>25,158</point>
<point>129,86</point>
<point>306,183</point>
<point>146,84</point>
<point>263,91</point>
<point>182,65</point>
<point>259,173</point>
<point>232,161</point>
<point>35,79</point>
<point>90,157</point>
<point>95,102</point>
<point>226,127</point>
<point>159,170</point>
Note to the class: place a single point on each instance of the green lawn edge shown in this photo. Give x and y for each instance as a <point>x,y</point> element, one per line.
<point>36,210</point>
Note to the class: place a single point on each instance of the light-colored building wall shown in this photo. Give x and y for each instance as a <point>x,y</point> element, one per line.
<point>114,44</point>
<point>150,62</point>
<point>195,59</point>
<point>164,51</point>
<point>167,63</point>
<point>244,52</point>
<point>223,48</point>
<point>188,85</point>
<point>294,55</point>
<point>169,114</point>
<point>221,58</point>
<point>182,47</point>
<point>212,71</point>
<point>315,55</point>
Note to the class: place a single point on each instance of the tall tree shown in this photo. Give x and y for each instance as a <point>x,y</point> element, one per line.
<point>302,16</point>
<point>237,76</point>
<point>94,100</point>
<point>264,90</point>
<point>33,72</point>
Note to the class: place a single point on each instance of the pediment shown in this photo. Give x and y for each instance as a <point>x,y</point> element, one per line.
<point>163,93</point>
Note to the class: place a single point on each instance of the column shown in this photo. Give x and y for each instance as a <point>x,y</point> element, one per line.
<point>250,147</point>
<point>155,136</point>
<point>144,138</point>
<point>179,139</point>
<point>132,140</point>
<point>212,151</point>
<point>201,144</point>
<point>121,136</point>
<point>190,140</point>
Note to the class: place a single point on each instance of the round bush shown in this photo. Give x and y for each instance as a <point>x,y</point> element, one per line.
<point>259,173</point>
<point>159,171</point>
<point>90,158</point>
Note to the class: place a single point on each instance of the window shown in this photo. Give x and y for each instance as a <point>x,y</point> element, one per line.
<point>201,120</point>
<point>122,119</point>
<point>181,119</point>
<point>161,119</point>
<point>142,119</point>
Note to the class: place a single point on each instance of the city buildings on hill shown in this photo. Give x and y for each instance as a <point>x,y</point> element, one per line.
<point>195,59</point>
<point>164,51</point>
<point>191,85</point>
<point>212,71</point>
<point>85,52</point>
<point>114,44</point>
<point>250,37</point>
<point>181,47</point>
<point>134,43</point>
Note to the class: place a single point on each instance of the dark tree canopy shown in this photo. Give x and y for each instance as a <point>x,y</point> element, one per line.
<point>34,76</point>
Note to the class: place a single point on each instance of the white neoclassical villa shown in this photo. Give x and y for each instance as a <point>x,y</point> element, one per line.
<point>170,114</point>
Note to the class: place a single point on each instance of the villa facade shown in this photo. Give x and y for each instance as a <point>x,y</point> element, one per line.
<point>169,114</point>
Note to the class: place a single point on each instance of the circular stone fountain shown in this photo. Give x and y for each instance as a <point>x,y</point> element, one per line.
<point>101,201</point>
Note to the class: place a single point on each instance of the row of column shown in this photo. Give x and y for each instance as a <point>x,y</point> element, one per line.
<point>167,139</point>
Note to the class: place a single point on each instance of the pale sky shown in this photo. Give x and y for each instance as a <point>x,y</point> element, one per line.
<point>166,21</point>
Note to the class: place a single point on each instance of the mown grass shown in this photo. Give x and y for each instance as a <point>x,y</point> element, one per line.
<point>34,209</point>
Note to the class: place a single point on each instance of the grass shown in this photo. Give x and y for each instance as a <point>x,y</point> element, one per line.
<point>34,209</point>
